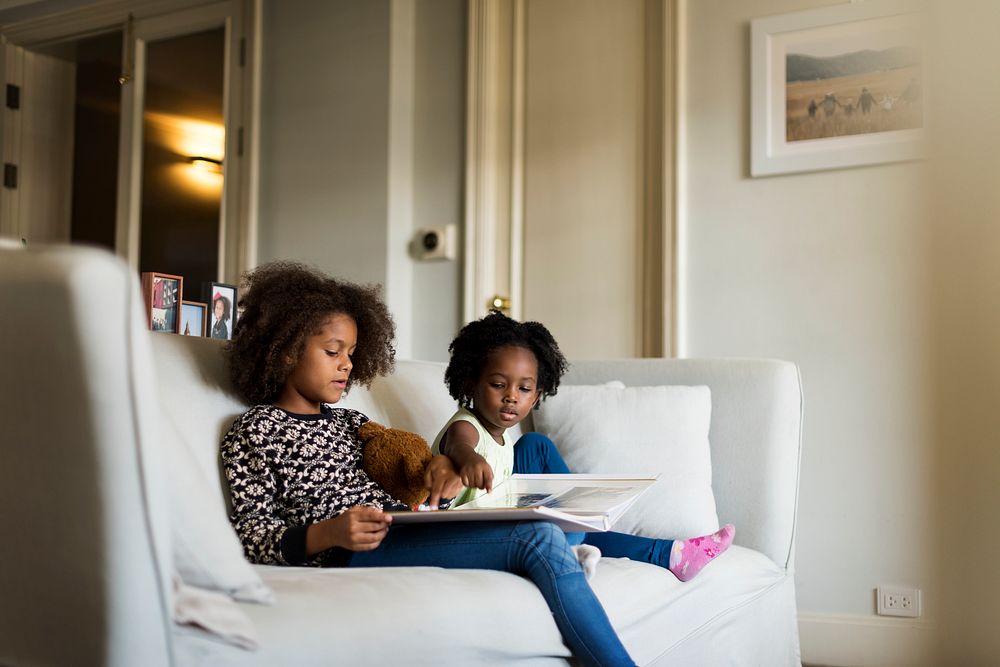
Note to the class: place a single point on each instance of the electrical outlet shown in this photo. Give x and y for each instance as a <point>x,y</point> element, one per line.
<point>898,601</point>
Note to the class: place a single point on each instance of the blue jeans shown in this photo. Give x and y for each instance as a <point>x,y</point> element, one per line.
<point>534,549</point>
<point>536,454</point>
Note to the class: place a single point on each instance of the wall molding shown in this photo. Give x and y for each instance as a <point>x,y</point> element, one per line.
<point>494,155</point>
<point>89,20</point>
<point>851,640</point>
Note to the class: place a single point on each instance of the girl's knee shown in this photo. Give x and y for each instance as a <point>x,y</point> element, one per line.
<point>541,533</point>
<point>545,542</point>
<point>534,439</point>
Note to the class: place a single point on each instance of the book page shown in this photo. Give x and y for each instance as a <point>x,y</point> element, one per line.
<point>586,494</point>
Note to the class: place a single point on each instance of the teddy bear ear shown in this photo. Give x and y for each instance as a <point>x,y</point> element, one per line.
<point>369,430</point>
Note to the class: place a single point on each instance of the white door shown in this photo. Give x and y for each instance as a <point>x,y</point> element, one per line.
<point>38,155</point>
<point>567,197</point>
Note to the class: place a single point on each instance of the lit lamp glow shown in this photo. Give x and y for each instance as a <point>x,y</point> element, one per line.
<point>200,147</point>
<point>207,164</point>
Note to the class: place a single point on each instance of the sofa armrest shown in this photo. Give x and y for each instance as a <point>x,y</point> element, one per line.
<point>85,554</point>
<point>755,437</point>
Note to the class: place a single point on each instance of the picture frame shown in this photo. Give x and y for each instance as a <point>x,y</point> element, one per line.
<point>221,319</point>
<point>163,293</point>
<point>194,318</point>
<point>859,65</point>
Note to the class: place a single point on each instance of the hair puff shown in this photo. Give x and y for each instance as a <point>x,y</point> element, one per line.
<point>478,339</point>
<point>282,303</point>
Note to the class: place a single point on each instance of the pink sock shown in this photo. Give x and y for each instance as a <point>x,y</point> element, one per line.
<point>688,557</point>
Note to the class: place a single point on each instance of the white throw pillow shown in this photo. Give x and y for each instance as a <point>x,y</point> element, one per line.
<point>641,430</point>
<point>207,551</point>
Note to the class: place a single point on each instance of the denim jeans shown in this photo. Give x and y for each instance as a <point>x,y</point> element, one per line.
<point>536,454</point>
<point>533,549</point>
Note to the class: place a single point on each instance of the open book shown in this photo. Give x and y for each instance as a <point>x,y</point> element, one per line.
<point>579,503</point>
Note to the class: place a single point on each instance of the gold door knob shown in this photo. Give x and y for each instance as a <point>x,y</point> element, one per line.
<point>501,303</point>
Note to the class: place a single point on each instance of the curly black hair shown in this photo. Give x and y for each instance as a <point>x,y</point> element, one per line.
<point>283,303</point>
<point>477,339</point>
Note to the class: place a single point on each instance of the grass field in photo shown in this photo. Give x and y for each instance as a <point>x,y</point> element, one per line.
<point>890,111</point>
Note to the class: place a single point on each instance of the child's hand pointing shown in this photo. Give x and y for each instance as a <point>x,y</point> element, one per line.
<point>442,480</point>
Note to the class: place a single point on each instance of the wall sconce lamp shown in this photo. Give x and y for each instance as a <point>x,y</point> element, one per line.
<point>209,164</point>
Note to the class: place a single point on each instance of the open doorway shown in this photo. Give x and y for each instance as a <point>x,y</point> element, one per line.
<point>183,152</point>
<point>129,136</point>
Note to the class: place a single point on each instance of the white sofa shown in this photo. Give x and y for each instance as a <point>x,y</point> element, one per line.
<point>86,558</point>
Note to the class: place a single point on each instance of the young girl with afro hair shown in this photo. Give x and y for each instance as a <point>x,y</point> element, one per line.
<point>499,370</point>
<point>293,460</point>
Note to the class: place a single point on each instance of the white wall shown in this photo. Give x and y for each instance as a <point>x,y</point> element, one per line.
<point>324,134</point>
<point>855,276</point>
<point>362,144</point>
<point>438,179</point>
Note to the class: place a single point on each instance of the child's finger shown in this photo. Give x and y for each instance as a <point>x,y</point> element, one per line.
<point>434,498</point>
<point>368,541</point>
<point>372,516</point>
<point>366,511</point>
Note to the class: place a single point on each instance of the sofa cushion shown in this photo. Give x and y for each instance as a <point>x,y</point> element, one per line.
<point>611,428</point>
<point>392,616</point>
<point>347,616</point>
<point>207,552</point>
<point>654,613</point>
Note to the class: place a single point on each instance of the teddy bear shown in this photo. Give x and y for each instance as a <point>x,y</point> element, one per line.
<point>396,460</point>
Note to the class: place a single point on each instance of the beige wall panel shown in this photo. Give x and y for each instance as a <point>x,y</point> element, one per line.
<point>46,162</point>
<point>583,173</point>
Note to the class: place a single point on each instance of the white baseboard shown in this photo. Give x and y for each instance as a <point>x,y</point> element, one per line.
<point>848,640</point>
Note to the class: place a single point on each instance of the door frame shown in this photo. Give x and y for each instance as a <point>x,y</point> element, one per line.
<point>142,21</point>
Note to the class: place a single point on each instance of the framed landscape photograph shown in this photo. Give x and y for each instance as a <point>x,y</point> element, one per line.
<point>193,318</point>
<point>221,300</point>
<point>836,87</point>
<point>162,293</point>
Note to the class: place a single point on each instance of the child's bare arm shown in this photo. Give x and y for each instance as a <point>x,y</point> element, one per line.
<point>459,445</point>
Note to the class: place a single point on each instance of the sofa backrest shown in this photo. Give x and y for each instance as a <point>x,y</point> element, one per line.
<point>754,435</point>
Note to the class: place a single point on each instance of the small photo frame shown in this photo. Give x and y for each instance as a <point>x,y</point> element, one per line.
<point>836,87</point>
<point>194,316</point>
<point>162,293</point>
<point>221,300</point>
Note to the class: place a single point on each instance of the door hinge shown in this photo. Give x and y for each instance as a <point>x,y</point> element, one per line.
<point>13,96</point>
<point>243,51</point>
<point>10,175</point>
